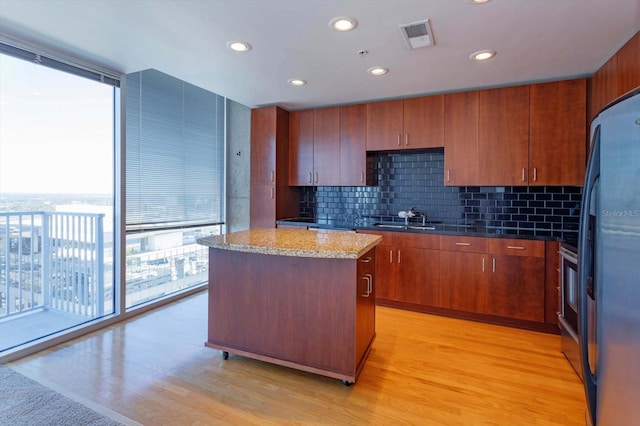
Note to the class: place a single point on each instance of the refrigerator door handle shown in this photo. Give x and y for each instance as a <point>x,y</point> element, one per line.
<point>585,258</point>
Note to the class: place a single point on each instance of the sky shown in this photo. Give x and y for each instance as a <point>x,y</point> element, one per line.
<point>56,131</point>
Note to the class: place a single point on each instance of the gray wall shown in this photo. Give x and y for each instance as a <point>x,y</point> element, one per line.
<point>238,166</point>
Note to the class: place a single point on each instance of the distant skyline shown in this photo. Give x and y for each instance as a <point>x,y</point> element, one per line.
<point>56,131</point>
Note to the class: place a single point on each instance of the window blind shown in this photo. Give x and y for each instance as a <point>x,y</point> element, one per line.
<point>174,153</point>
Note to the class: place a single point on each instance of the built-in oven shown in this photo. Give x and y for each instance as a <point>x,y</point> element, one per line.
<point>568,315</point>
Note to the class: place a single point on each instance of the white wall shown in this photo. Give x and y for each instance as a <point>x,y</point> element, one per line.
<point>238,166</point>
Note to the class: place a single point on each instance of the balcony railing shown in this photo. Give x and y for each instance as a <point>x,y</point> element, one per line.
<point>51,260</point>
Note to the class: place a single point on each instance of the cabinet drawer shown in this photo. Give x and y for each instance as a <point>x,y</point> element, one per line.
<point>388,238</point>
<point>516,247</point>
<point>417,241</point>
<point>463,243</point>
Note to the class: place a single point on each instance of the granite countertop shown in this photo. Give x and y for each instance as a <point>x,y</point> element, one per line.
<point>438,228</point>
<point>295,242</point>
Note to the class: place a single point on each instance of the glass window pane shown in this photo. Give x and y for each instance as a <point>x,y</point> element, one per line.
<point>56,200</point>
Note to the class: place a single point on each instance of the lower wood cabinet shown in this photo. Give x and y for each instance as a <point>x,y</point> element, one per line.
<point>495,279</point>
<point>408,268</point>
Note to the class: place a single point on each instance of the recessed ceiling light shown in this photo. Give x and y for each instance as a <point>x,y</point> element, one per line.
<point>297,82</point>
<point>482,55</point>
<point>479,1</point>
<point>378,70</point>
<point>342,23</point>
<point>239,46</point>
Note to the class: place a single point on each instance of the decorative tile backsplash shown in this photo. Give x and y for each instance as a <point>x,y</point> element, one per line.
<point>416,179</point>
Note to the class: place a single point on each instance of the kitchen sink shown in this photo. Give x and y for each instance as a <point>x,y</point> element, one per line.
<point>389,225</point>
<point>422,228</point>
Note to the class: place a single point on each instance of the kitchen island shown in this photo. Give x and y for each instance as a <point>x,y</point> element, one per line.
<point>297,298</point>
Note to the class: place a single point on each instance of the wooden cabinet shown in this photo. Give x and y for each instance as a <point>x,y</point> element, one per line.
<point>628,63</point>
<point>493,276</point>
<point>260,308</point>
<point>314,147</point>
<point>517,279</point>
<point>408,269</point>
<point>522,135</point>
<point>503,136</point>
<point>620,74</point>
<point>353,139</point>
<point>461,138</point>
<point>405,123</point>
<point>271,198</point>
<point>365,304</point>
<point>557,141</point>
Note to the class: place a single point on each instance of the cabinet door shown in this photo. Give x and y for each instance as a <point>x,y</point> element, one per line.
<point>386,272</point>
<point>628,59</point>
<point>516,287</point>
<point>301,128</point>
<point>557,142</point>
<point>461,139</point>
<point>424,122</point>
<point>603,87</point>
<point>384,125</point>
<point>353,149</point>
<point>463,281</point>
<point>365,303</point>
<point>263,146</point>
<point>418,276</point>
<point>326,146</point>
<point>503,136</point>
<point>262,210</point>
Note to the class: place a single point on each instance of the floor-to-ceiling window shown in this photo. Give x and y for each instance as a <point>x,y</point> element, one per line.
<point>57,139</point>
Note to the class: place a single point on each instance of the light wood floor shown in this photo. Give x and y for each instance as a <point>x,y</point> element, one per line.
<point>423,370</point>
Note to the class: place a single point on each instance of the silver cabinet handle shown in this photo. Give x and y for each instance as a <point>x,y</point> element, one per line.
<point>310,177</point>
<point>535,174</point>
<point>523,171</point>
<point>366,259</point>
<point>515,247</point>
<point>448,175</point>
<point>494,264</point>
<point>406,139</point>
<point>399,255</point>
<point>361,177</point>
<point>369,279</point>
<point>316,177</point>
<point>273,176</point>
<point>273,192</point>
<point>391,256</point>
<point>463,244</point>
<point>399,136</point>
<point>483,264</point>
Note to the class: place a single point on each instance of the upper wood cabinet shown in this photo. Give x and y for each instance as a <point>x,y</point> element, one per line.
<point>405,123</point>
<point>620,74</point>
<point>557,140</point>
<point>503,136</point>
<point>314,147</point>
<point>461,138</point>
<point>629,66</point>
<point>522,135</point>
<point>353,139</point>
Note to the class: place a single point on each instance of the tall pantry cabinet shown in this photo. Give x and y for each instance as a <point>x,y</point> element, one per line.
<point>271,196</point>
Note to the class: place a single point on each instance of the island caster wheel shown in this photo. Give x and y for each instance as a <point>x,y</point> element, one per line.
<point>346,383</point>
<point>225,355</point>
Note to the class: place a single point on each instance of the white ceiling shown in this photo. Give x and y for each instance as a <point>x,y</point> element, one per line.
<point>536,40</point>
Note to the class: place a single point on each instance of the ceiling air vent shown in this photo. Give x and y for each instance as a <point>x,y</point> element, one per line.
<point>418,34</point>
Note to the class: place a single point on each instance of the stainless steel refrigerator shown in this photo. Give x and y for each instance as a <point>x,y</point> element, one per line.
<point>609,266</point>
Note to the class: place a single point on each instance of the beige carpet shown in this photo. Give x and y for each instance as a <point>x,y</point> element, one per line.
<point>26,402</point>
